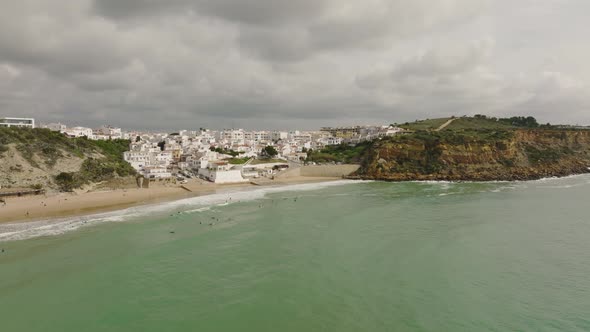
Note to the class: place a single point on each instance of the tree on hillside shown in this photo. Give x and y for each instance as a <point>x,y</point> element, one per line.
<point>270,151</point>
<point>521,121</point>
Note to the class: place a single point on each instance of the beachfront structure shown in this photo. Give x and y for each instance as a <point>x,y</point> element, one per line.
<point>222,172</point>
<point>17,122</point>
<point>138,159</point>
<point>156,172</point>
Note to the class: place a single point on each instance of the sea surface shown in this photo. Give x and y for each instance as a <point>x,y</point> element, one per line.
<point>341,256</point>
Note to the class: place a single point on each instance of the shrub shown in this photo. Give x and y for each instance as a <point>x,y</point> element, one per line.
<point>67,181</point>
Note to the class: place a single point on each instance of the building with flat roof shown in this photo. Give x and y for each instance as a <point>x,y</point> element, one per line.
<point>343,132</point>
<point>17,122</point>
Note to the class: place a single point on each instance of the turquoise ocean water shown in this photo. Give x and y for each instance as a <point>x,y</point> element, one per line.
<point>343,256</point>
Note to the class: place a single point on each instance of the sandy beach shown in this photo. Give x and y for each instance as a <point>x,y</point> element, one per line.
<point>31,208</point>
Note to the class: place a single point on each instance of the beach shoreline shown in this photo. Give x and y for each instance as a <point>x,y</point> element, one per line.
<point>61,205</point>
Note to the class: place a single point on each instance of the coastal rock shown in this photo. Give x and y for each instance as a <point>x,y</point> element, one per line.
<point>481,156</point>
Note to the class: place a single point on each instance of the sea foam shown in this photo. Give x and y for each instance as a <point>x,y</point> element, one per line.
<point>52,227</point>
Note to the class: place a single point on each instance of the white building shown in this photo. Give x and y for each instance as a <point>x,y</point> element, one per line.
<point>164,158</point>
<point>279,135</point>
<point>222,172</point>
<point>109,132</point>
<point>17,122</point>
<point>138,159</point>
<point>234,136</point>
<point>156,172</point>
<point>392,131</point>
<point>79,132</point>
<point>332,141</point>
<point>262,136</point>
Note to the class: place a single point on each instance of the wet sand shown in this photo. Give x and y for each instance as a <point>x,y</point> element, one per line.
<point>31,208</point>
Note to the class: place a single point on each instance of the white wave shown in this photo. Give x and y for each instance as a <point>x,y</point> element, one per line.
<point>203,209</point>
<point>555,178</point>
<point>565,186</point>
<point>547,179</point>
<point>433,182</point>
<point>51,227</point>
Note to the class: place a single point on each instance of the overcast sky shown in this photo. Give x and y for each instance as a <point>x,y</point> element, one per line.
<point>171,64</point>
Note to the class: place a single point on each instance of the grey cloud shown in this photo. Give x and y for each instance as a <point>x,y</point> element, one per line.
<point>285,30</point>
<point>278,63</point>
<point>273,12</point>
<point>118,9</point>
<point>445,61</point>
<point>57,43</point>
<point>282,45</point>
<point>259,12</point>
<point>351,26</point>
<point>464,81</point>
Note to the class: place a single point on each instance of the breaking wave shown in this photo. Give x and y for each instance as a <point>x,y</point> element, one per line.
<point>52,227</point>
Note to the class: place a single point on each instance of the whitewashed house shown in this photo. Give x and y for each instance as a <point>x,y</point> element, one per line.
<point>79,132</point>
<point>222,172</point>
<point>138,159</point>
<point>164,158</point>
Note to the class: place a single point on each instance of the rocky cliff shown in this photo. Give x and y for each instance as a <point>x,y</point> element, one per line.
<point>478,155</point>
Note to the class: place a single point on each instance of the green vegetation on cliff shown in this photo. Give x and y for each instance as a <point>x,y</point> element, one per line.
<point>98,169</point>
<point>468,148</point>
<point>477,122</point>
<point>42,149</point>
<point>428,124</point>
<point>47,145</point>
<point>343,153</point>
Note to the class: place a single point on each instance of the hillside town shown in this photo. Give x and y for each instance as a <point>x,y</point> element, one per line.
<point>219,156</point>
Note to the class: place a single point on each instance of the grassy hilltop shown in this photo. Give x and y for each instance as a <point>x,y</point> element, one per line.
<point>42,158</point>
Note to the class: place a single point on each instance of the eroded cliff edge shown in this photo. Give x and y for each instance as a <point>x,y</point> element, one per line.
<point>482,155</point>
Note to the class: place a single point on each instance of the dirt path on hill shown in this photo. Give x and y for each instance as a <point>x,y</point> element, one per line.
<point>446,124</point>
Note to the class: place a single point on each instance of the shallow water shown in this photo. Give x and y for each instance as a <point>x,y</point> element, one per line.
<point>339,257</point>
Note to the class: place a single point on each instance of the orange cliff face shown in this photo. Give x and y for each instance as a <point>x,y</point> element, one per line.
<point>479,156</point>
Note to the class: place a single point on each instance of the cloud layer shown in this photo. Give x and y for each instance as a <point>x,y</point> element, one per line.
<point>285,64</point>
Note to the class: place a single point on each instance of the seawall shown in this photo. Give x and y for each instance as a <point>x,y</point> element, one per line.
<point>330,171</point>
